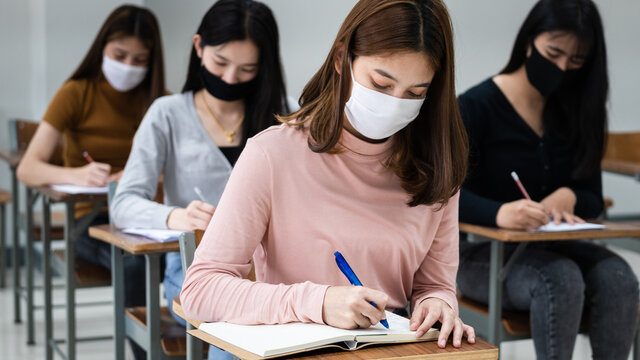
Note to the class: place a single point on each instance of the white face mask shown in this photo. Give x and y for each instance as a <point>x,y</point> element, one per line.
<point>122,77</point>
<point>376,115</point>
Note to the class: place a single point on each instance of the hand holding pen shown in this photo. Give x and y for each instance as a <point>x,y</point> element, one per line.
<point>350,307</point>
<point>524,214</point>
<point>93,174</point>
<point>196,216</point>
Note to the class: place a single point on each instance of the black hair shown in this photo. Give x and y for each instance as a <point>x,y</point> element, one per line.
<point>579,107</point>
<point>229,20</point>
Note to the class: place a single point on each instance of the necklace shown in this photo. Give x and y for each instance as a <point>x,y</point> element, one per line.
<point>228,133</point>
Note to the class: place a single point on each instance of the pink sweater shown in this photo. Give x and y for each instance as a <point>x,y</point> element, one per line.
<point>291,209</point>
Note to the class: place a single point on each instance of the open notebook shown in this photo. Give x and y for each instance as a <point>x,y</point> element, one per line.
<point>160,235</point>
<point>563,226</point>
<point>281,339</point>
<point>75,189</point>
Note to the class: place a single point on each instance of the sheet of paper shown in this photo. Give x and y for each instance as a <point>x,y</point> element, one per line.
<point>161,235</point>
<point>563,226</point>
<point>75,189</point>
<point>263,340</point>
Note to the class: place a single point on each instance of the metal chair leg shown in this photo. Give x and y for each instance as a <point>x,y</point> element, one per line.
<point>16,246</point>
<point>3,246</point>
<point>29,265</point>
<point>70,280</point>
<point>46,272</point>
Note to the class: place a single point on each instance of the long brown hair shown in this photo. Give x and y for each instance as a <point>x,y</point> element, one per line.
<point>430,154</point>
<point>128,20</point>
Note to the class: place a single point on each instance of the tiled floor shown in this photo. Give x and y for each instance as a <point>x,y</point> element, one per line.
<point>98,321</point>
<point>91,321</point>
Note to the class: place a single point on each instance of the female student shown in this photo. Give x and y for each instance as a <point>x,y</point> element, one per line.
<point>544,117</point>
<point>98,111</point>
<point>233,89</point>
<point>369,166</point>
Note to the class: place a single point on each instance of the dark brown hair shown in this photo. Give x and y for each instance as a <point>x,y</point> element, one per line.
<point>430,154</point>
<point>128,20</point>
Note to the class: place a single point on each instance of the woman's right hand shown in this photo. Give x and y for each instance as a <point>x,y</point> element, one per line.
<point>522,215</point>
<point>93,174</point>
<point>196,216</point>
<point>348,307</point>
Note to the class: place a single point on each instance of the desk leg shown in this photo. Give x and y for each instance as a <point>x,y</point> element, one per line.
<point>495,293</point>
<point>194,345</point>
<point>70,279</point>
<point>117,282</point>
<point>15,209</point>
<point>3,246</point>
<point>153,305</point>
<point>29,263</point>
<point>46,272</point>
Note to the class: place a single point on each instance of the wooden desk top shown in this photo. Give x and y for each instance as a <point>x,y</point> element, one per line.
<point>612,230</point>
<point>132,244</point>
<point>11,157</point>
<point>622,167</point>
<point>58,196</point>
<point>481,350</point>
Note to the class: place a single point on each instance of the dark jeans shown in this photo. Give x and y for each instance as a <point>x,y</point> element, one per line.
<point>559,282</point>
<point>98,252</point>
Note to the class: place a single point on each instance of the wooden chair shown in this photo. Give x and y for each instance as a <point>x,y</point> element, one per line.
<point>622,154</point>
<point>623,146</point>
<point>21,132</point>
<point>5,198</point>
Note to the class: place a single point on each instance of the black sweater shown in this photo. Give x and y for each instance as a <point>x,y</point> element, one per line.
<point>501,142</point>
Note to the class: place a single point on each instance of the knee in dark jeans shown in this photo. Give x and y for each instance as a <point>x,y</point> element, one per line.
<point>613,278</point>
<point>558,280</point>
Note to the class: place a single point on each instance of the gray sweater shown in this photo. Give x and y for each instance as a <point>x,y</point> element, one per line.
<point>171,140</point>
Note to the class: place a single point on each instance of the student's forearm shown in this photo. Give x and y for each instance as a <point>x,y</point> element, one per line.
<point>36,173</point>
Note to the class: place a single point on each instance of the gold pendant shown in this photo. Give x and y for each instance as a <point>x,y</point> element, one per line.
<point>229,135</point>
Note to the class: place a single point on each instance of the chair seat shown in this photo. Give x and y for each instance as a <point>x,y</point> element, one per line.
<point>174,341</point>
<point>5,197</point>
<point>516,323</point>
<point>57,225</point>
<point>88,274</point>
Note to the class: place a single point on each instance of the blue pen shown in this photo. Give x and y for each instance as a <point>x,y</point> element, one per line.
<point>353,279</point>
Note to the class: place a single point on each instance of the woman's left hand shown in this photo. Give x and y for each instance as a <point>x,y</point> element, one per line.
<point>560,205</point>
<point>431,310</point>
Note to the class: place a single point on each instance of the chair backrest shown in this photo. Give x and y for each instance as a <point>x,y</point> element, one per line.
<point>623,146</point>
<point>21,132</point>
<point>189,241</point>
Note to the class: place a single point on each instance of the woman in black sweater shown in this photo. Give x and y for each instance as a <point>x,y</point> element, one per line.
<point>544,117</point>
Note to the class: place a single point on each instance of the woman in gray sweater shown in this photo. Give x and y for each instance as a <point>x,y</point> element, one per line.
<point>191,140</point>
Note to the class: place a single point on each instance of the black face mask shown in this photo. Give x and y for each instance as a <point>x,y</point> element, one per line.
<point>544,75</point>
<point>219,89</point>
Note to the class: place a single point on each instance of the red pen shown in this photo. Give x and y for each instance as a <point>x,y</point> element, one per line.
<point>522,189</point>
<point>87,156</point>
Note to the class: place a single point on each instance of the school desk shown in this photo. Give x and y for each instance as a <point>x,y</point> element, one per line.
<point>491,325</point>
<point>622,167</point>
<point>77,274</point>
<point>481,350</point>
<point>144,326</point>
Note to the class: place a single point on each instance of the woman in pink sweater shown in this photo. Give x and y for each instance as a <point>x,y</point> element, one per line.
<point>370,166</point>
